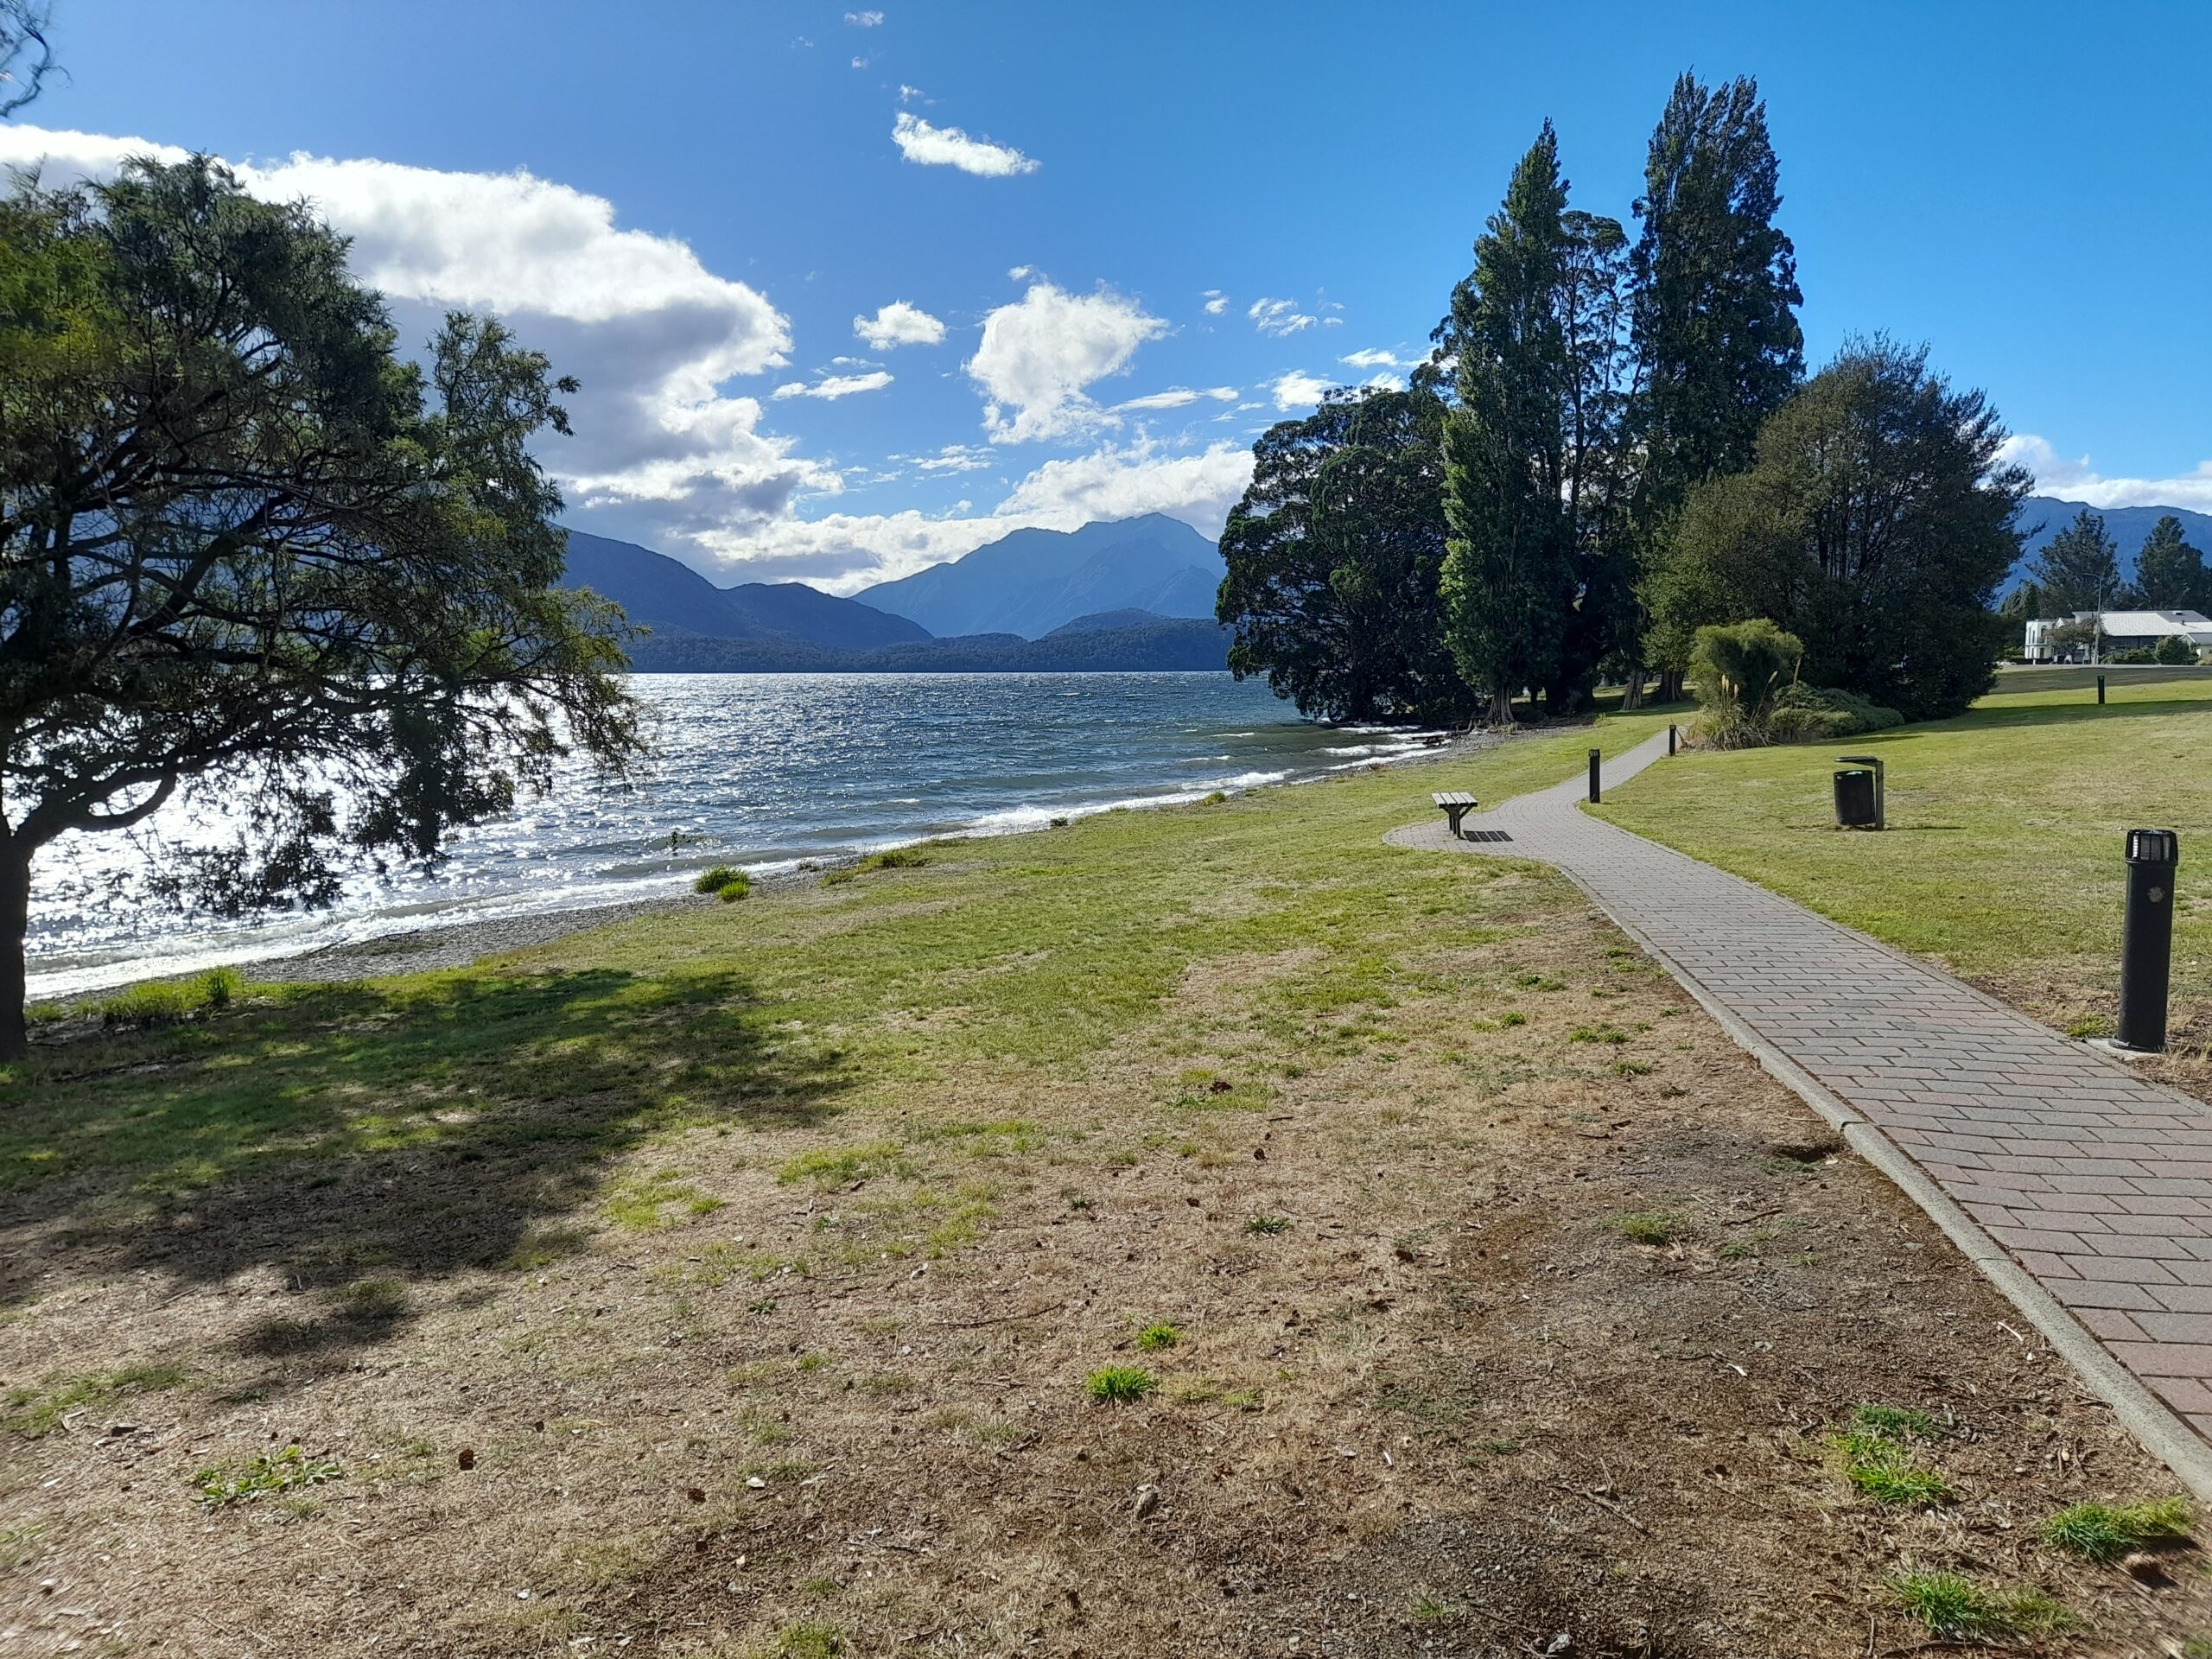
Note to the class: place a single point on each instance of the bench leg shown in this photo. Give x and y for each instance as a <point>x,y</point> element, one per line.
<point>1455,813</point>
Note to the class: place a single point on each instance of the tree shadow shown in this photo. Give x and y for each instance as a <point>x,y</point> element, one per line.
<point>361,1141</point>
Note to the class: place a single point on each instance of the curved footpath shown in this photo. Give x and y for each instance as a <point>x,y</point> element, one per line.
<point>2083,1192</point>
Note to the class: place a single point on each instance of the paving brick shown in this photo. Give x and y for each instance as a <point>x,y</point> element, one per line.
<point>2099,1180</point>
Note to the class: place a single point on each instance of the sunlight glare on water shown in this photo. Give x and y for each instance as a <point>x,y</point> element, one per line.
<point>759,771</point>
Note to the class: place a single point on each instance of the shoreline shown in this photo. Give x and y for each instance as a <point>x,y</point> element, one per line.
<point>437,947</point>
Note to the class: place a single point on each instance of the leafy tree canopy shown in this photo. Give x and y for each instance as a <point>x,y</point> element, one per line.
<point>1333,555</point>
<point>1874,525</point>
<point>249,553</point>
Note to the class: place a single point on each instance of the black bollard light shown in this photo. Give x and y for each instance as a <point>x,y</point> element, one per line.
<point>2146,944</point>
<point>1593,776</point>
<point>1671,737</point>
<point>2101,690</point>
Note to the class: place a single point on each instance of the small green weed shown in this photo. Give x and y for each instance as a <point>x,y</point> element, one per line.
<point>641,1203</point>
<point>714,880</point>
<point>734,889</point>
<point>1427,1610</point>
<point>813,1639</point>
<point>837,1165</point>
<point>34,1412</point>
<point>1878,1460</point>
<point>1956,1609</point>
<point>1154,1338</point>
<point>1895,1422</point>
<point>2104,1532</point>
<point>1119,1384</point>
<point>237,1482</point>
<point>1652,1226</point>
<point>1596,1035</point>
<point>1267,1226</point>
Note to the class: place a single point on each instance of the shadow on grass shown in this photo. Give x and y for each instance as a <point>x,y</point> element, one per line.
<point>364,1139</point>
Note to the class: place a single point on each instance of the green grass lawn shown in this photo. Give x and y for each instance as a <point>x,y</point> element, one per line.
<point>1127,1238</point>
<point>2002,858</point>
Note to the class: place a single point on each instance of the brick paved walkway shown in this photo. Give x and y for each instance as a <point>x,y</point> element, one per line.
<point>2099,1182</point>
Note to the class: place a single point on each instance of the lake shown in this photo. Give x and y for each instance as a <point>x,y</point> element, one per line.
<point>760,771</point>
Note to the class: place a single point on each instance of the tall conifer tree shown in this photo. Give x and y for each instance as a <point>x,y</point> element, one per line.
<point>1508,574</point>
<point>1717,346</point>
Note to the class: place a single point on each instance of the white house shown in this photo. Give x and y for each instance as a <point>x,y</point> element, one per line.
<point>2117,630</point>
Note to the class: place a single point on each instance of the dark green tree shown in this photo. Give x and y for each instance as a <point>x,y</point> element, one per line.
<point>1874,523</point>
<point>2170,574</point>
<point>1509,574</point>
<point>250,557</point>
<point>1334,555</point>
<point>1713,312</point>
<point>2078,569</point>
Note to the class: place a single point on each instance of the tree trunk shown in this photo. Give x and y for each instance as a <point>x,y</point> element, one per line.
<point>1632,693</point>
<point>1501,707</point>
<point>15,922</point>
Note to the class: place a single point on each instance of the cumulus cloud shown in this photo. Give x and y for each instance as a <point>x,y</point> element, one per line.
<point>899,324</point>
<point>653,334</point>
<point>832,387</point>
<point>1373,358</point>
<point>907,94</point>
<point>1298,389</point>
<point>1217,301</point>
<point>2075,480</point>
<point>1178,397</point>
<point>864,19</point>
<point>845,552</point>
<point>1278,318</point>
<point>1038,355</point>
<point>933,146</point>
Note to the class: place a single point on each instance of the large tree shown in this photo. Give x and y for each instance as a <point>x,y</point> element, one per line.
<point>1333,556</point>
<point>1713,313</point>
<point>251,555</point>
<point>2170,574</point>
<point>1874,523</point>
<point>1508,575</point>
<point>2078,569</point>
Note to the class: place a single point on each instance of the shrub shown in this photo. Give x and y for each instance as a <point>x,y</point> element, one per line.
<point>220,987</point>
<point>2175,652</point>
<point>1809,713</point>
<point>1737,671</point>
<point>2141,657</point>
<point>716,879</point>
<point>735,888</point>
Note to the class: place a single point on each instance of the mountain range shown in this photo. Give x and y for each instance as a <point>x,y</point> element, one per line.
<point>1135,595</point>
<point>1034,581</point>
<point>2042,517</point>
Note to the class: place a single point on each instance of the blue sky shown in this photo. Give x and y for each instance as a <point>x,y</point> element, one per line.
<point>715,194</point>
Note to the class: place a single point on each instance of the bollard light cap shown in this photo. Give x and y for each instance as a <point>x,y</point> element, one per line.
<point>2153,847</point>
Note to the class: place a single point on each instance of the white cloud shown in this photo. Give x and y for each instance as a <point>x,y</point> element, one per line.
<point>843,553</point>
<point>1217,301</point>
<point>899,324</point>
<point>835,387</point>
<point>650,331</point>
<point>1278,318</point>
<point>907,94</point>
<point>1298,389</point>
<point>864,19</point>
<point>1038,354</point>
<point>860,63</point>
<point>1373,358</point>
<point>1332,322</point>
<point>1021,273</point>
<point>1122,482</point>
<point>953,458</point>
<point>1177,397</point>
<point>933,146</point>
<point>2077,481</point>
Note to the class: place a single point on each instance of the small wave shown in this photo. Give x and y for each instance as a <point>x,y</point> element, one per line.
<point>1356,748</point>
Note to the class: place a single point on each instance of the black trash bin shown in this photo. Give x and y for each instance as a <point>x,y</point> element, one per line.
<point>1855,806</point>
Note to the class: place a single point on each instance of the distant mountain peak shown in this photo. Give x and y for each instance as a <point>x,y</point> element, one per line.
<point>1032,581</point>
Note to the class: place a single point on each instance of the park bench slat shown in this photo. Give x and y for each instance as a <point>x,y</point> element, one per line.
<point>1456,804</point>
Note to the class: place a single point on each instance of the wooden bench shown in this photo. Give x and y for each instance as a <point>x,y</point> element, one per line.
<point>1457,803</point>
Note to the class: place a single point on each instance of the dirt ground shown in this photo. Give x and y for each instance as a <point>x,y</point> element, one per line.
<point>1427,1394</point>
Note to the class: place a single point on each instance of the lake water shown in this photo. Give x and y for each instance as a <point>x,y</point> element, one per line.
<point>759,771</point>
